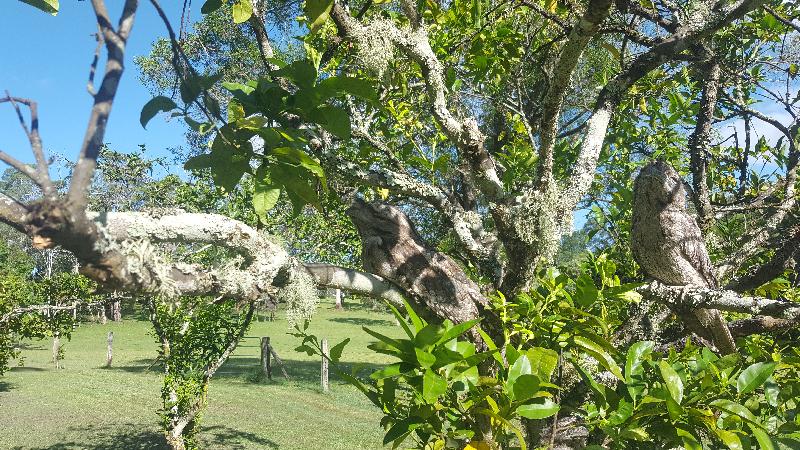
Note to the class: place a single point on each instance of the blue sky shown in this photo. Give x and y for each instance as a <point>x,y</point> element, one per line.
<point>47,59</point>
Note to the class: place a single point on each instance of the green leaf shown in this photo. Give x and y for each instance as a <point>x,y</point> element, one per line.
<point>333,86</point>
<point>424,358</point>
<point>633,367</point>
<point>398,431</point>
<point>296,156</point>
<point>334,119</point>
<point>598,353</point>
<point>690,442</point>
<point>672,380</point>
<point>242,10</point>
<point>538,410</point>
<point>415,320</point>
<point>730,439</point>
<point>457,330</point>
<point>771,392</point>
<point>210,6</point>
<point>522,366</point>
<point>764,441</point>
<point>153,107</point>
<point>754,376</point>
<point>317,12</point>
<point>48,6</point>
<point>428,335</point>
<point>543,362</point>
<point>732,407</point>
<point>401,320</point>
<point>433,386</point>
<point>525,387</point>
<point>392,370</point>
<point>302,72</point>
<point>336,350</point>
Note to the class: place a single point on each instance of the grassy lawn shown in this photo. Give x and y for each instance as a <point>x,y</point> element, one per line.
<point>85,406</point>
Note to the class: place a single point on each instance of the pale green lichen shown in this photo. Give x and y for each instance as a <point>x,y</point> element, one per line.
<point>374,47</point>
<point>300,296</point>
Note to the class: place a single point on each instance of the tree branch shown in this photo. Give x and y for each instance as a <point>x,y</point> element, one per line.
<point>355,281</point>
<point>579,38</point>
<point>691,297</point>
<point>699,142</point>
<point>415,44</point>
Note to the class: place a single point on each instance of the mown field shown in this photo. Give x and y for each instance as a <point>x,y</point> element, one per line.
<point>86,406</point>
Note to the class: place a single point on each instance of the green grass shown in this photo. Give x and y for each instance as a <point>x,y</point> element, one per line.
<point>85,406</point>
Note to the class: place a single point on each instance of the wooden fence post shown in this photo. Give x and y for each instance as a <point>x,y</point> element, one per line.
<point>266,363</point>
<point>57,350</point>
<point>110,351</point>
<point>324,374</point>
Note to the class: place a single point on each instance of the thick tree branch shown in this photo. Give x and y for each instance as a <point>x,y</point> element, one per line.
<point>691,297</point>
<point>355,281</point>
<point>560,79</point>
<point>699,142</point>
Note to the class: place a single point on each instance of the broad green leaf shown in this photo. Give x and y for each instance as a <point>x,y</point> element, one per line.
<point>48,6</point>
<point>424,358</point>
<point>433,386</point>
<point>428,335</point>
<point>335,119</point>
<point>153,107</point>
<point>398,431</point>
<point>543,362</point>
<point>764,441</point>
<point>538,410</point>
<point>336,350</point>
<point>415,320</point>
<point>333,86</point>
<point>296,156</point>
<point>672,380</point>
<point>302,72</point>
<point>385,339</point>
<point>457,330</point>
<point>730,439</point>
<point>490,345</point>
<point>690,442</point>
<point>317,12</point>
<point>771,391</point>
<point>525,387</point>
<point>598,353</point>
<point>392,370</point>
<point>401,320</point>
<point>210,6</point>
<point>754,376</point>
<point>732,407</point>
<point>265,197</point>
<point>633,367</point>
<point>242,10</point>
<point>522,366</point>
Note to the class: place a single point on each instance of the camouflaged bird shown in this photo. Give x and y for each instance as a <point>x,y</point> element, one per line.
<point>668,245</point>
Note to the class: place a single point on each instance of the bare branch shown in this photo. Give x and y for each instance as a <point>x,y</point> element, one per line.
<point>12,213</point>
<point>115,41</point>
<point>42,171</point>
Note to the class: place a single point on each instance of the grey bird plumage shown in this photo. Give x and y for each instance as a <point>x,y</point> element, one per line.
<point>668,245</point>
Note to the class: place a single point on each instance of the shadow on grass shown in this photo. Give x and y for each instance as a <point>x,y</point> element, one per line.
<point>132,436</point>
<point>362,321</point>
<point>301,372</point>
<point>27,369</point>
<point>5,386</point>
